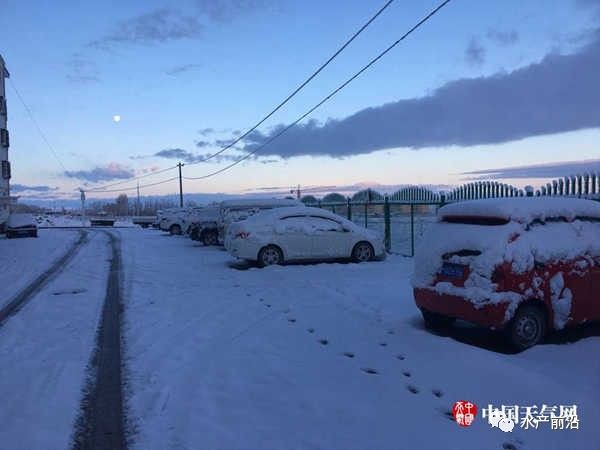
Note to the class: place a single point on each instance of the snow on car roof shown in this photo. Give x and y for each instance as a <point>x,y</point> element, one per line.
<point>523,209</point>
<point>16,220</point>
<point>268,216</point>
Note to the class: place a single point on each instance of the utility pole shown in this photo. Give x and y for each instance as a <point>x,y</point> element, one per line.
<point>180,165</point>
<point>137,209</point>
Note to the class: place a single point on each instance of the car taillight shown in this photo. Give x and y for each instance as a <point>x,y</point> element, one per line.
<point>242,235</point>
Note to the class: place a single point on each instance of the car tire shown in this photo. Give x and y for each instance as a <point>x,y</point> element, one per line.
<point>210,238</point>
<point>363,252</point>
<point>436,321</point>
<point>175,230</point>
<point>528,327</point>
<point>270,256</point>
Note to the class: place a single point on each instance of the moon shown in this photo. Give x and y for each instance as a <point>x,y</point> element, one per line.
<point>116,118</point>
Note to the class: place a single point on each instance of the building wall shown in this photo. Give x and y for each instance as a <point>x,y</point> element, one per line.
<point>4,182</point>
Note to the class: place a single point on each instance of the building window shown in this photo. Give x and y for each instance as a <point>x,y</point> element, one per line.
<point>6,170</point>
<point>4,138</point>
<point>2,106</point>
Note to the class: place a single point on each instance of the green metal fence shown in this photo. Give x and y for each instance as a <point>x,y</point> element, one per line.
<point>402,224</point>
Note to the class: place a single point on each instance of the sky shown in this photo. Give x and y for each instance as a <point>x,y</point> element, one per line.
<point>484,90</point>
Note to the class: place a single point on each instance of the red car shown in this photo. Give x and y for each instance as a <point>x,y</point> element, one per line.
<point>524,265</point>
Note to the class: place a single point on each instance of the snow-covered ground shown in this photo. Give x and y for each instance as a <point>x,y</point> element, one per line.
<point>327,356</point>
<point>23,260</point>
<point>46,347</point>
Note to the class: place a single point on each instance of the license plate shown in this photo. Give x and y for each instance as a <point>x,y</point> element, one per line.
<point>452,270</point>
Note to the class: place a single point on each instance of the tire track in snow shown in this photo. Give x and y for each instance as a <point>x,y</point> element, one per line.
<point>21,299</point>
<point>101,423</point>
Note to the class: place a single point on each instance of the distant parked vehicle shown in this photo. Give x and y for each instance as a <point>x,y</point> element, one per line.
<point>21,225</point>
<point>170,220</point>
<point>212,232</point>
<point>522,265</point>
<point>301,234</point>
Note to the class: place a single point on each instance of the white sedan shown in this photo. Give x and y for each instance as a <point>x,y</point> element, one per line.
<point>301,233</point>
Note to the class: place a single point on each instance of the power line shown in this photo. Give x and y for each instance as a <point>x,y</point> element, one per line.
<point>31,116</point>
<point>333,93</point>
<point>129,180</point>
<point>97,189</point>
<point>141,186</point>
<point>299,88</point>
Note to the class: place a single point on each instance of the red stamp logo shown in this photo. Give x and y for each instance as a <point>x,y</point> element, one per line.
<point>464,412</point>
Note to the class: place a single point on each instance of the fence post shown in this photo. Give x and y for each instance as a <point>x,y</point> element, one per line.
<point>412,229</point>
<point>349,209</point>
<point>366,212</point>
<point>388,231</point>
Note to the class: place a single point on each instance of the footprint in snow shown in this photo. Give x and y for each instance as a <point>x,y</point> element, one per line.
<point>291,320</point>
<point>406,373</point>
<point>323,341</point>
<point>448,414</point>
<point>391,332</point>
<point>369,370</point>
<point>383,344</point>
<point>412,389</point>
<point>437,392</point>
<point>401,357</point>
<point>311,330</point>
<point>348,354</point>
<point>509,446</point>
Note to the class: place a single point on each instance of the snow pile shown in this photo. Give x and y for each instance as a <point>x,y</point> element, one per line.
<point>52,221</point>
<point>524,209</point>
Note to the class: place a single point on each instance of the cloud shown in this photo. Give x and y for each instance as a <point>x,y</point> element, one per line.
<point>228,10</point>
<point>206,131</point>
<point>82,70</point>
<point>16,188</point>
<point>112,171</point>
<point>202,144</point>
<point>158,26</point>
<point>549,170</point>
<point>178,70</point>
<point>558,94</point>
<point>191,158</point>
<point>505,38</point>
<point>475,53</point>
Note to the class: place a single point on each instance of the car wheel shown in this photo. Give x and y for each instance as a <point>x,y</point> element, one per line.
<point>528,327</point>
<point>269,256</point>
<point>436,321</point>
<point>362,252</point>
<point>210,238</point>
<point>175,230</point>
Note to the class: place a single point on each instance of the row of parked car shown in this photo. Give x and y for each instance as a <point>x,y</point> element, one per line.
<point>274,231</point>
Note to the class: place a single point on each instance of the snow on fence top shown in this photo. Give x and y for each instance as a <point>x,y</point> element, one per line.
<point>523,209</point>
